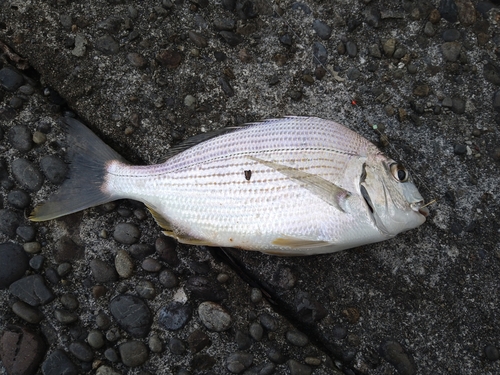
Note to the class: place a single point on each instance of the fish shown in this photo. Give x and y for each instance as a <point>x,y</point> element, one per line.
<point>289,186</point>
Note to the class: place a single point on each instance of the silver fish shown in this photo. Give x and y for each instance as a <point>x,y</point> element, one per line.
<point>288,186</point>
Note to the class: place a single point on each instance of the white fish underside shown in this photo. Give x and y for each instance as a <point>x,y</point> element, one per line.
<point>204,193</point>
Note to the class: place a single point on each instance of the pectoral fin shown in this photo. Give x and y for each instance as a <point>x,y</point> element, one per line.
<point>323,189</point>
<point>299,243</point>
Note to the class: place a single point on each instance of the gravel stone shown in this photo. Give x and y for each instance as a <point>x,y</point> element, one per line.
<point>174,315</point>
<point>141,250</point>
<point>19,199</point>
<point>146,289</point>
<point>458,105</point>
<point>123,264</point>
<point>197,39</point>
<point>102,271</point>
<point>243,341</point>
<point>64,269</point>
<point>26,232</point>
<point>320,53</point>
<point>155,344</point>
<point>105,370</point>
<point>37,262</point>
<point>103,321</point>
<point>176,346</point>
<point>448,10</point>
<point>168,279</point>
<point>54,169</point>
<point>496,101</point>
<point>13,263</point>
<point>256,295</point>
<point>297,338</point>
<point>394,353</point>
<point>10,79</point>
<point>297,368</point>
<point>28,313</point>
<point>275,355</point>
<point>32,247</point>
<point>133,353</point>
<point>429,29</point>
<point>166,249</point>
<point>32,290</point>
<point>238,362</point>
<point>214,316</point>
<point>492,74</point>
<point>151,265</point>
<point>20,138</point>
<point>198,341</point>
<point>491,353</point>
<point>107,45</point>
<point>26,174</point>
<point>268,322</point>
<point>16,102</point>
<point>21,350</point>
<point>451,51</point>
<point>137,60</point>
<point>111,355</point>
<point>256,331</point>
<point>322,29</point>
<point>351,48</point>
<point>58,362</point>
<point>132,314</point>
<point>224,24</point>
<point>126,233</point>
<point>450,35</point>
<point>389,47</point>
<point>374,51</point>
<point>65,316</point>
<point>460,149</point>
<point>69,301</point>
<point>81,351</point>
<point>95,339</point>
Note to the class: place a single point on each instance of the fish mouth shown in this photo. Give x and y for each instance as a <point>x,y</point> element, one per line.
<point>420,208</point>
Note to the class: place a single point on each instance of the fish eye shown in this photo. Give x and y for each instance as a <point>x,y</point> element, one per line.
<point>399,172</point>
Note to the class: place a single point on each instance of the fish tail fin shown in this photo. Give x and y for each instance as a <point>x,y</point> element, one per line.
<point>89,157</point>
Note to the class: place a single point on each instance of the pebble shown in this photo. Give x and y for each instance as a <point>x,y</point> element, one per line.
<point>313,361</point>
<point>103,321</point>
<point>20,138</point>
<point>137,60</point>
<point>13,263</point>
<point>226,87</point>
<point>151,265</point>
<point>451,51</point>
<point>256,295</point>
<point>238,362</point>
<point>54,169</point>
<point>301,6</point>
<point>168,279</point>
<point>64,269</point>
<point>155,344</point>
<point>496,101</point>
<point>448,10</point>
<point>36,262</point>
<point>26,174</point>
<point>26,232</point>
<point>126,233</point>
<point>141,250</point>
<point>65,317</point>
<point>170,59</point>
<point>197,39</point>
<point>450,35</point>
<point>111,355</point>
<point>268,322</point>
<point>69,301</point>
<point>113,334</point>
<point>320,53</point>
<point>308,309</point>
<point>32,290</point>
<point>353,74</point>
<point>32,247</point>
<point>389,46</point>
<point>275,355</point>
<point>18,198</point>
<point>58,362</point>
<point>81,351</point>
<point>176,346</point>
<point>205,289</point>
<point>10,79</point>
<point>458,105</point>
<point>460,149</point>
<point>146,289</point>
<point>374,51</point>
<point>214,316</point>
<point>224,24</point>
<point>102,271</point>
<point>105,370</point>
<point>351,49</point>
<point>394,353</point>
<point>28,313</point>
<point>297,368</point>
<point>197,341</point>
<point>231,38</point>
<point>133,353</point>
<point>492,74</point>
<point>107,45</point>
<point>322,29</point>
<point>372,16</point>
<point>95,339</point>
<point>297,338</point>
<point>166,249</point>
<point>491,353</point>
<point>174,315</point>
<point>243,341</point>
<point>429,29</point>
<point>132,314</point>
<point>21,350</point>
<point>16,102</point>
<point>123,264</point>
<point>256,331</point>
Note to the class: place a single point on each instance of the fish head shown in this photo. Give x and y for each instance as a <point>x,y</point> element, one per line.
<point>392,200</point>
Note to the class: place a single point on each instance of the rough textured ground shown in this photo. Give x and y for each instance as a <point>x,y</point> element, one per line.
<point>145,75</point>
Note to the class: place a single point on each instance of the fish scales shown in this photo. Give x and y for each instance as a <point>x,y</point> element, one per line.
<point>285,186</point>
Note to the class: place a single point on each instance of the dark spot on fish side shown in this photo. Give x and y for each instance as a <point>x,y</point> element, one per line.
<point>248,175</point>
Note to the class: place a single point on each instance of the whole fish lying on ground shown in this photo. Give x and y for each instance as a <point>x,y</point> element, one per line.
<point>289,186</point>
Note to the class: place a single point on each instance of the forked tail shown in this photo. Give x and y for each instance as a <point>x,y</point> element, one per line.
<point>89,157</point>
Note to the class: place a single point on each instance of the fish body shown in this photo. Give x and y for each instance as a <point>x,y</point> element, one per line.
<point>289,186</point>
